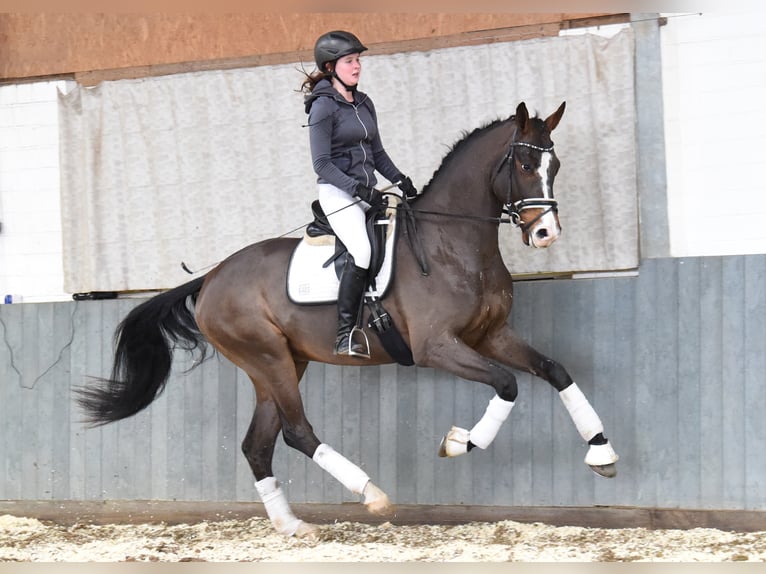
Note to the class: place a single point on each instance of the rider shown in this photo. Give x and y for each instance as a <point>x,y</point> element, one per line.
<point>346,150</point>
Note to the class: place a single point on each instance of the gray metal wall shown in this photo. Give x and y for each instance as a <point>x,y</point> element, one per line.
<point>673,360</point>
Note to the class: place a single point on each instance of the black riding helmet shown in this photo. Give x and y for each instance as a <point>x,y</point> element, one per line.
<point>333,45</point>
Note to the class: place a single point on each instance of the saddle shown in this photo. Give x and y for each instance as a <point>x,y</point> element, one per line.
<point>378,228</point>
<point>308,281</point>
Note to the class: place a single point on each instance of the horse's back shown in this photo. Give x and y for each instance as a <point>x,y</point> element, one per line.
<point>243,280</point>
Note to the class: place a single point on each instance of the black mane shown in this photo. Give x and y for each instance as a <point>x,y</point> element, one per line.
<point>461,143</point>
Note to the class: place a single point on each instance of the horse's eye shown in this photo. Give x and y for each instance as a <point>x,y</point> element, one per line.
<point>526,167</point>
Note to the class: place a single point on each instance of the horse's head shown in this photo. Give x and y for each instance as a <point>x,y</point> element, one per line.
<point>531,165</point>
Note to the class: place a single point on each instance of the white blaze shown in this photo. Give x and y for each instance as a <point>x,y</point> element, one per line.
<point>542,171</point>
<point>547,221</point>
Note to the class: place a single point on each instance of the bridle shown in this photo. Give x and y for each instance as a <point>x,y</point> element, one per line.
<point>515,208</point>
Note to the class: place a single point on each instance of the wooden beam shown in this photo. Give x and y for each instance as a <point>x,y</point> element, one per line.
<point>471,38</point>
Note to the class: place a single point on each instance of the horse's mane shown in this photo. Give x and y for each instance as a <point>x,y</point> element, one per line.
<point>461,143</point>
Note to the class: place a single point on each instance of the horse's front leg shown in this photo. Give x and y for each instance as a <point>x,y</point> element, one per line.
<point>450,353</point>
<point>506,346</point>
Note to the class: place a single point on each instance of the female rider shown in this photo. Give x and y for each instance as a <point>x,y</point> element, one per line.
<point>346,150</point>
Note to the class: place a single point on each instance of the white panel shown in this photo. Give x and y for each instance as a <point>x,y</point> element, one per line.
<point>714,76</point>
<point>30,241</point>
<point>193,166</point>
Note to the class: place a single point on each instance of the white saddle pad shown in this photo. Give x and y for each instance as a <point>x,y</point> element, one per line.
<point>309,282</point>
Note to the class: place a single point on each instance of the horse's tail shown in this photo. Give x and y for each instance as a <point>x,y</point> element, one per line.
<point>144,343</point>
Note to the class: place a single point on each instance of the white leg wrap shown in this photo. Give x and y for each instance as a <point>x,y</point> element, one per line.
<point>585,418</point>
<point>345,471</point>
<point>485,431</point>
<point>282,518</point>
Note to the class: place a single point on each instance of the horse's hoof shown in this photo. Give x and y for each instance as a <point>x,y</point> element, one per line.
<point>376,500</point>
<point>605,470</point>
<point>455,443</point>
<point>443,447</point>
<point>307,531</point>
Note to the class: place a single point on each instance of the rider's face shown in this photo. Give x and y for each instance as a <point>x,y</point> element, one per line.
<point>348,69</point>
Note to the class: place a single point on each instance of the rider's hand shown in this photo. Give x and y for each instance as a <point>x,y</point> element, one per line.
<point>369,194</point>
<point>409,190</point>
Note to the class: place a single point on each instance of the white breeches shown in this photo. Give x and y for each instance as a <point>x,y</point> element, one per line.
<point>347,217</point>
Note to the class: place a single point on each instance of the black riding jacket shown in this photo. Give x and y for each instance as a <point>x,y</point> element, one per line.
<point>345,143</point>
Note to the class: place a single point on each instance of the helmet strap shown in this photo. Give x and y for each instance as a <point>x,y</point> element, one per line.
<point>351,89</point>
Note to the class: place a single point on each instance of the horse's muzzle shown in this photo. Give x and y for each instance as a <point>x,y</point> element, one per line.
<point>543,231</point>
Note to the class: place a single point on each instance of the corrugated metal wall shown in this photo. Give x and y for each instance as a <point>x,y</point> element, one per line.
<point>673,360</point>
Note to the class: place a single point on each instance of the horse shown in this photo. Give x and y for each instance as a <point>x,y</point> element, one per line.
<point>453,317</point>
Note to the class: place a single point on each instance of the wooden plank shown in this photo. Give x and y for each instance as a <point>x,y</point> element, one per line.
<point>370,431</point>
<point>444,418</point>
<point>387,443</point>
<point>406,432</point>
<point>608,380</point>
<point>10,423</point>
<point>733,454</point>
<point>711,361</point>
<point>625,424</point>
<point>227,446</point>
<point>110,481</point>
<point>662,383</point>
<point>688,388</point>
<point>520,423</point>
<point>351,424</point>
<point>245,481</point>
<point>754,395</point>
<point>315,404</point>
<point>425,441</point>
<point>543,439</point>
<point>330,430</point>
<point>102,47</point>
<point>644,372</point>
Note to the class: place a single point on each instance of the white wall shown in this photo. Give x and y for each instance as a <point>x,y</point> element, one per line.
<point>714,77</point>
<point>30,240</point>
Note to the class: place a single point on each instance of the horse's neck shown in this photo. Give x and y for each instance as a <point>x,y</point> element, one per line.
<point>463,187</point>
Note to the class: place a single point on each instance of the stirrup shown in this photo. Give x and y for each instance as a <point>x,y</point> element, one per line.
<point>365,342</point>
<point>349,351</point>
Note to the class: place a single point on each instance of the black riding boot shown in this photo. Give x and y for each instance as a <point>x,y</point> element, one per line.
<point>352,283</point>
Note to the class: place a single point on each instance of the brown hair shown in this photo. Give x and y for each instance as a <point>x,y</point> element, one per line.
<point>311,80</point>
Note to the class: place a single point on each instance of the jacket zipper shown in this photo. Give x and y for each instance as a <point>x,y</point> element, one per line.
<point>361,146</point>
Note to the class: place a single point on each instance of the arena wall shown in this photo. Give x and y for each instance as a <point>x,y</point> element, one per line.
<point>672,359</point>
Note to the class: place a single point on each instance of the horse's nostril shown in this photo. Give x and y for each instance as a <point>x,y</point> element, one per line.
<point>542,233</point>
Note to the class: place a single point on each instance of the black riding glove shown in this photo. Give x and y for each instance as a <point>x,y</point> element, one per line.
<point>405,184</point>
<point>369,194</point>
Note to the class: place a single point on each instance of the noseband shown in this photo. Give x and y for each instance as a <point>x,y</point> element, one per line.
<point>514,208</point>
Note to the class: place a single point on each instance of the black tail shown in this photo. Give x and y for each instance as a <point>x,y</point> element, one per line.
<point>144,343</point>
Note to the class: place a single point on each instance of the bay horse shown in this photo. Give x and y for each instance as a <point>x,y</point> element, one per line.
<point>453,318</point>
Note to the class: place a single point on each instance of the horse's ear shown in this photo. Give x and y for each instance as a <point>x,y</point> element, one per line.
<point>553,120</point>
<point>522,115</point>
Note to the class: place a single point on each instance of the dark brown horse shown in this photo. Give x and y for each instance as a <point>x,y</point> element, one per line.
<point>454,318</point>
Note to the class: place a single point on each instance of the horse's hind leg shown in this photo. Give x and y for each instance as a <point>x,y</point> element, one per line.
<point>258,448</point>
<point>509,348</point>
<point>280,407</point>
